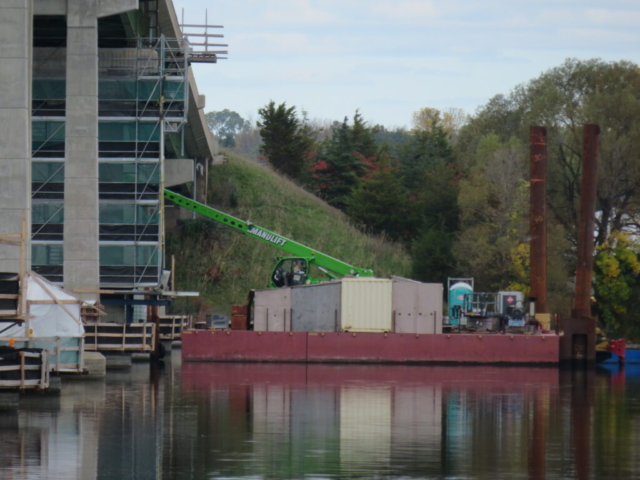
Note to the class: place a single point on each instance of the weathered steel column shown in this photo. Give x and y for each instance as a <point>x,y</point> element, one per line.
<point>586,227</point>
<point>538,217</point>
<point>579,340</point>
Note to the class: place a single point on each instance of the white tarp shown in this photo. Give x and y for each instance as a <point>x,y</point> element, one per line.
<point>50,319</point>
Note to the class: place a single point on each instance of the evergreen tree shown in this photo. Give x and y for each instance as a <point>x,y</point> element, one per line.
<point>432,256</point>
<point>382,205</point>
<point>362,137</point>
<point>338,167</point>
<point>424,151</point>
<point>287,140</point>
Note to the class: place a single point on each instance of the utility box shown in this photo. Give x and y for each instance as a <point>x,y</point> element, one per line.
<point>417,307</point>
<point>508,302</point>
<point>366,305</point>
<point>316,308</point>
<point>272,310</point>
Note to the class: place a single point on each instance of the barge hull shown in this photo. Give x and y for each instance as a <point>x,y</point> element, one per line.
<point>315,347</point>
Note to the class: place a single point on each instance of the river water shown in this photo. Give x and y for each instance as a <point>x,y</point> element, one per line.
<point>255,421</point>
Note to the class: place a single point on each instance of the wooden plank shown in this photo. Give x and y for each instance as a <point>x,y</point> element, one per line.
<point>9,296</point>
<point>22,379</point>
<point>110,346</point>
<point>10,368</point>
<point>93,290</point>
<point>51,302</point>
<point>58,354</point>
<point>117,335</point>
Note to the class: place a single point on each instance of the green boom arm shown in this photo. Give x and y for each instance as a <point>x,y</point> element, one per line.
<point>297,249</point>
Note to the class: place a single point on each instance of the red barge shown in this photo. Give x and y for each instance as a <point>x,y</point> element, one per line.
<point>368,347</point>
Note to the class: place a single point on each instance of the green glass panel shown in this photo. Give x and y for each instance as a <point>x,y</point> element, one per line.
<point>148,214</point>
<point>47,131</point>
<point>47,213</point>
<point>124,255</point>
<point>47,172</point>
<point>149,173</point>
<point>117,90</point>
<point>117,255</point>
<point>149,89</point>
<point>148,132</point>
<point>46,254</point>
<point>117,214</point>
<point>147,255</point>
<point>117,131</point>
<point>174,91</point>
<point>49,89</point>
<point>117,172</point>
<point>126,131</point>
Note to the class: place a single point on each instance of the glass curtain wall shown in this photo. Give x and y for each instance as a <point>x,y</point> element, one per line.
<point>142,93</point>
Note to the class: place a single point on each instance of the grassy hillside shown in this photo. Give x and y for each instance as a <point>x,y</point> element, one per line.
<point>223,264</point>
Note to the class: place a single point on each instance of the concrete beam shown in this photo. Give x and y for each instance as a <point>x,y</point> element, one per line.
<point>113,7</point>
<point>49,7</point>
<point>177,172</point>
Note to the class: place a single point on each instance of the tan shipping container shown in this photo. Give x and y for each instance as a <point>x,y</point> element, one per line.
<point>366,305</point>
<point>417,307</point>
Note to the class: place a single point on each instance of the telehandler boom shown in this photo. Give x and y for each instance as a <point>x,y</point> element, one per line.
<point>290,270</point>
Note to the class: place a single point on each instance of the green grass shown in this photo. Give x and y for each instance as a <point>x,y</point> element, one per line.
<point>223,265</point>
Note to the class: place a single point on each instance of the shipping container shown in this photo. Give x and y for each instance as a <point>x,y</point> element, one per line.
<point>366,305</point>
<point>417,307</point>
<point>316,308</point>
<point>272,310</point>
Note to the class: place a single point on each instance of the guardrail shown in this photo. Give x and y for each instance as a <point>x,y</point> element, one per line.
<point>171,326</point>
<point>65,354</point>
<point>23,368</point>
<point>116,337</point>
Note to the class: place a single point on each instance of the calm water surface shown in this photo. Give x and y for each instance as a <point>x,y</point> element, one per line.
<point>203,421</point>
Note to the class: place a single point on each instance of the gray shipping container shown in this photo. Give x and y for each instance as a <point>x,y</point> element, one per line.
<point>316,308</point>
<point>417,307</point>
<point>272,310</point>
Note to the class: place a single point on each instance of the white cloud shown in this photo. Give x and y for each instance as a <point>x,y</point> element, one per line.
<point>598,35</point>
<point>298,12</point>
<point>614,18</point>
<point>405,9</point>
<point>285,43</point>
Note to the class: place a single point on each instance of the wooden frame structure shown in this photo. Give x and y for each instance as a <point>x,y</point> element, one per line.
<point>55,352</point>
<point>171,326</point>
<point>120,337</point>
<point>23,383</point>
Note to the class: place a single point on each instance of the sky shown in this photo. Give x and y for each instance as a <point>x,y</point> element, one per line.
<point>389,58</point>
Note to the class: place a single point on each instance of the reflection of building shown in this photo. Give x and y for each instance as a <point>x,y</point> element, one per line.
<point>99,112</point>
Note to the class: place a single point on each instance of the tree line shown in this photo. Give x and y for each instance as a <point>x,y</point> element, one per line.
<point>454,189</point>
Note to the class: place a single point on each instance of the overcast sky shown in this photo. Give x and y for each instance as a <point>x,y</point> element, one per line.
<point>389,58</point>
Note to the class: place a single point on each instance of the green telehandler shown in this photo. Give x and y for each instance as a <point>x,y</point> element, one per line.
<point>289,270</point>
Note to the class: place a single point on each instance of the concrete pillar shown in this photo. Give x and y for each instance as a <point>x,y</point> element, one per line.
<point>81,252</point>
<point>16,34</point>
<point>81,221</point>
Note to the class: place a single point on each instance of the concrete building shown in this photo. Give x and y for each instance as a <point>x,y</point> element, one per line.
<point>99,112</point>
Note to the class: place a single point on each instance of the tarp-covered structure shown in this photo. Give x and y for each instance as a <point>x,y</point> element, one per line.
<point>53,322</point>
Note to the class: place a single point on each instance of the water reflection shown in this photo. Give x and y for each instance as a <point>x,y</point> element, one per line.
<point>203,421</point>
